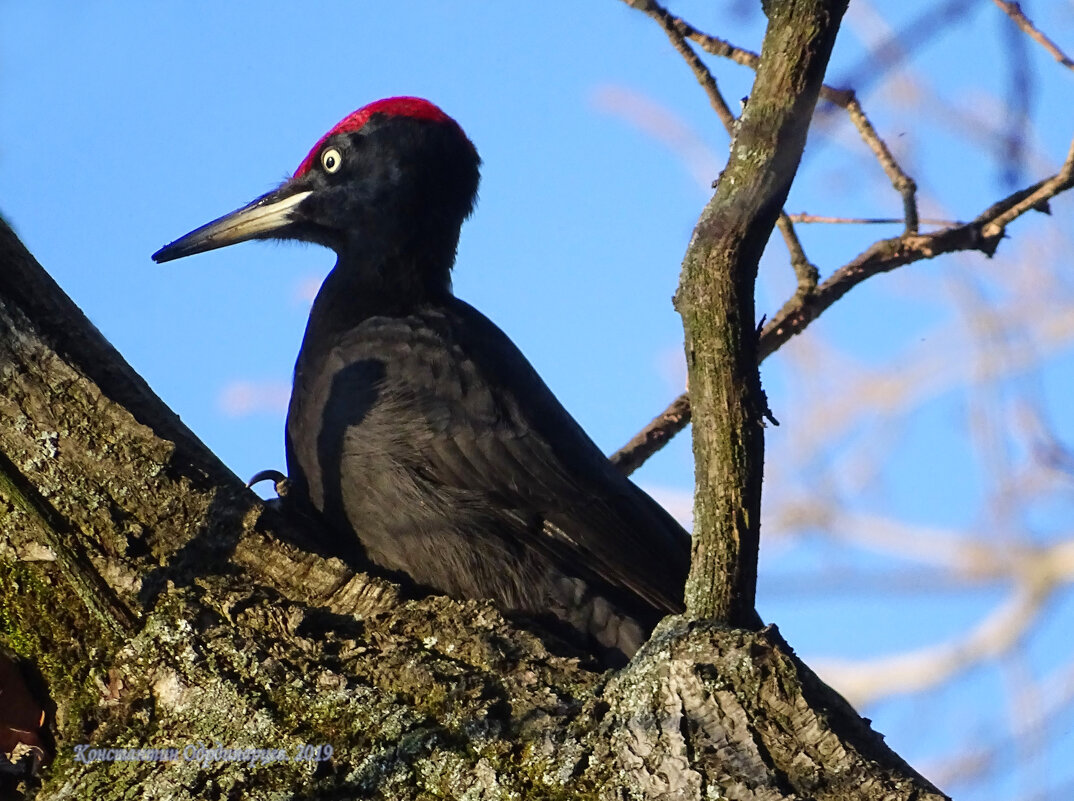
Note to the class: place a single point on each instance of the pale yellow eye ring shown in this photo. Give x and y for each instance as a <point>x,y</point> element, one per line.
<point>331,160</point>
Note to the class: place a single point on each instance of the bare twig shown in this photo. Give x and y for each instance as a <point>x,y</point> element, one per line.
<point>704,76</point>
<point>1014,11</point>
<point>806,272</point>
<point>1034,197</point>
<point>902,182</point>
<point>677,32</point>
<point>678,29</point>
<point>846,100</point>
<point>654,436</point>
<point>804,217</point>
<point>983,234</point>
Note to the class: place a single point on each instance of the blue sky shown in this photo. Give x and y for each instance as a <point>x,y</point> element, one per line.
<point>123,129</point>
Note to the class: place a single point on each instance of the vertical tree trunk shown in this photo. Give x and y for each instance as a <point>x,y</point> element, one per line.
<point>716,300</point>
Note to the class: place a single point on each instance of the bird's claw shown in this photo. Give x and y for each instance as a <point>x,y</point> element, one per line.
<point>281,482</point>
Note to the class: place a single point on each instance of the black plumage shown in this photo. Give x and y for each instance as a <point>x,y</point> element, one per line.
<point>417,426</point>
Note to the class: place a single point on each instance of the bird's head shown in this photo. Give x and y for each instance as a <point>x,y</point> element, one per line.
<point>394,177</point>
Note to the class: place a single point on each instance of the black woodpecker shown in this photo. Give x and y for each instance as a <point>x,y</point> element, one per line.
<point>417,428</point>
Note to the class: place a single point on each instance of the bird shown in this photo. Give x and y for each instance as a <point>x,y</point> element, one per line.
<point>416,429</point>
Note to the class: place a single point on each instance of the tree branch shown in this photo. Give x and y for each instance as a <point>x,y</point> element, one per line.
<point>654,436</point>
<point>234,635</point>
<point>716,300</point>
<point>1014,11</point>
<point>984,234</point>
<point>677,32</point>
<point>679,29</point>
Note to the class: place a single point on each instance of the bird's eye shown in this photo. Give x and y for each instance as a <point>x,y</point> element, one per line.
<point>331,160</point>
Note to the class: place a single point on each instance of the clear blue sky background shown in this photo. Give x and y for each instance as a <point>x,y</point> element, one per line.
<point>124,125</point>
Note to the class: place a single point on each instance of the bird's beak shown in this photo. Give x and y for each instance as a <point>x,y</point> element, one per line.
<point>261,218</point>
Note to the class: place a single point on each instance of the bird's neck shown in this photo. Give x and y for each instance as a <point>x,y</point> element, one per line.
<point>364,285</point>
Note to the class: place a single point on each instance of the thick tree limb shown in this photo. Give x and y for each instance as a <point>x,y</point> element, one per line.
<point>228,632</point>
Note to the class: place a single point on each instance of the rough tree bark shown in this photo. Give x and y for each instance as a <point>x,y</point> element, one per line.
<point>156,603</point>
<point>716,301</point>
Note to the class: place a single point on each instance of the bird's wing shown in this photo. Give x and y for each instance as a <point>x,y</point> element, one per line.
<point>485,423</point>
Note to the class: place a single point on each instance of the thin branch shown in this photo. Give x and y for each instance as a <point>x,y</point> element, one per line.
<point>1035,197</point>
<point>704,76</point>
<point>677,32</point>
<point>806,272</point>
<point>903,183</point>
<point>804,217</point>
<point>1014,11</point>
<point>983,234</point>
<point>653,437</point>
<point>843,98</point>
